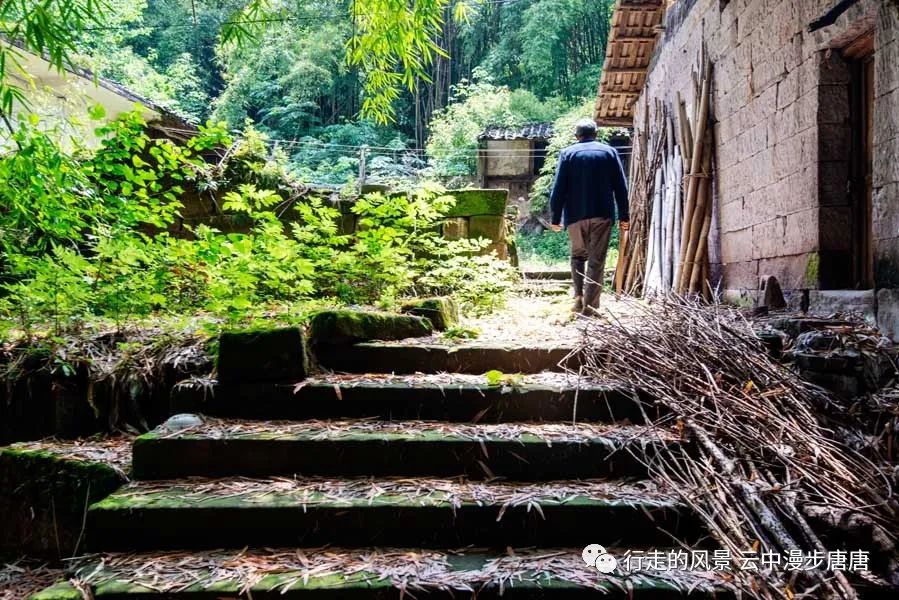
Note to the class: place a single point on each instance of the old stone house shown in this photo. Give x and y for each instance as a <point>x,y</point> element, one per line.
<point>511,158</point>
<point>805,131</point>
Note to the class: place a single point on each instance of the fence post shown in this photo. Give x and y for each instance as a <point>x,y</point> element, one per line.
<point>363,156</point>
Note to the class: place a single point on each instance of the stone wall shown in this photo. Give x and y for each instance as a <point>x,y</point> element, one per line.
<point>477,213</point>
<point>779,108</point>
<point>886,169</point>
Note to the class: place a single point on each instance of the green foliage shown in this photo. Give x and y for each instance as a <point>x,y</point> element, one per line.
<point>461,332</point>
<point>563,137</point>
<point>43,27</point>
<point>498,378</point>
<point>87,235</point>
<point>280,80</point>
<point>551,248</point>
<point>453,143</point>
<point>479,282</point>
<point>330,154</point>
<point>395,44</point>
<point>551,47</point>
<point>547,246</point>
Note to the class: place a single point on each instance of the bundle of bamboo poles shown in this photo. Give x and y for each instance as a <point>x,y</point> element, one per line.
<point>693,270</point>
<point>775,466</point>
<point>671,199</point>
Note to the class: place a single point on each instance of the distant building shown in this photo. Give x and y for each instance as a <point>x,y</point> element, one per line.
<point>511,158</point>
<point>58,98</point>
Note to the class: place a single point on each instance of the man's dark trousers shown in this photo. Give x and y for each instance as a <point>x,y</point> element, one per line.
<point>589,246</point>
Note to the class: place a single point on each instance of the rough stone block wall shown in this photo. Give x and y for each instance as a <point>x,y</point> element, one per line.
<point>886,168</point>
<point>779,104</point>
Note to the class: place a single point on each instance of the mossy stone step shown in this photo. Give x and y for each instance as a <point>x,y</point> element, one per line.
<point>197,513</point>
<point>375,448</point>
<point>556,275</point>
<point>44,495</point>
<point>373,574</point>
<point>392,398</point>
<point>406,358</point>
<point>341,327</point>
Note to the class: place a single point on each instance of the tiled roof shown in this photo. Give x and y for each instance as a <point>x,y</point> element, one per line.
<point>529,131</point>
<point>632,40</point>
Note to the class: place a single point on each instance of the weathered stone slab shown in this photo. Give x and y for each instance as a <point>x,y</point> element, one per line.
<point>888,312</point>
<point>442,312</point>
<point>43,498</point>
<point>419,450</point>
<point>342,327</point>
<point>455,228</point>
<point>453,516</point>
<point>432,358</point>
<point>432,400</point>
<point>262,355</point>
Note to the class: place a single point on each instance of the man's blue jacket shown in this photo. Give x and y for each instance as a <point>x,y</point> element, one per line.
<point>589,183</point>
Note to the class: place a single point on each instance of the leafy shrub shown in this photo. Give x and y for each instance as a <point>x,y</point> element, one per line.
<point>86,235</point>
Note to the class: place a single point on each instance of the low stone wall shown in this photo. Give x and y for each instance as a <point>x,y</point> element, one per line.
<point>478,213</point>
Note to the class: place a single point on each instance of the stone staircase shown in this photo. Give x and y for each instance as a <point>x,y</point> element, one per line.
<point>380,485</point>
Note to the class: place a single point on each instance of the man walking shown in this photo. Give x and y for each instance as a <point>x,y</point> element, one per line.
<point>589,184</point>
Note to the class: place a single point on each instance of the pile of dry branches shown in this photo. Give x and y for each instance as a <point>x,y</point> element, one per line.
<point>768,472</point>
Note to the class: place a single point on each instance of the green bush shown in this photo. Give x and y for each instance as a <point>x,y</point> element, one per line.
<point>551,248</point>
<point>87,235</point>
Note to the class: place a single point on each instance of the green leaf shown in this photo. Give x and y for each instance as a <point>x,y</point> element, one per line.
<point>494,377</point>
<point>97,112</point>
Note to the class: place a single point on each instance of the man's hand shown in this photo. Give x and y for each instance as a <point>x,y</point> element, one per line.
<point>556,228</point>
<point>624,225</point>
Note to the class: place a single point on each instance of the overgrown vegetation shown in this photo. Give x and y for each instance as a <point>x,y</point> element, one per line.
<point>453,144</point>
<point>94,234</point>
<point>327,78</point>
<point>551,249</point>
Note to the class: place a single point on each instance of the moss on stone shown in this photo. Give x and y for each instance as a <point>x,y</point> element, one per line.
<point>470,203</point>
<point>812,269</point>
<point>43,498</point>
<point>61,591</point>
<point>442,312</point>
<point>262,355</point>
<point>349,327</point>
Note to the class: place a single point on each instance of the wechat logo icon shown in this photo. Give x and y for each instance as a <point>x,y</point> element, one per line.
<point>596,556</point>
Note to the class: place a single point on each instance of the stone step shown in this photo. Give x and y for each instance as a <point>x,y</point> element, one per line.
<point>409,357</point>
<point>552,275</point>
<point>448,397</point>
<point>377,574</point>
<point>432,513</point>
<point>546,287</point>
<point>527,451</point>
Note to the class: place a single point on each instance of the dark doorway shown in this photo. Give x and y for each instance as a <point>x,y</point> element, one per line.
<point>861,55</point>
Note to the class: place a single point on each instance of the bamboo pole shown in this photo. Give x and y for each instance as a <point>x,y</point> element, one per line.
<point>691,223</point>
<point>677,225</point>
<point>698,249</point>
<point>686,134</point>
